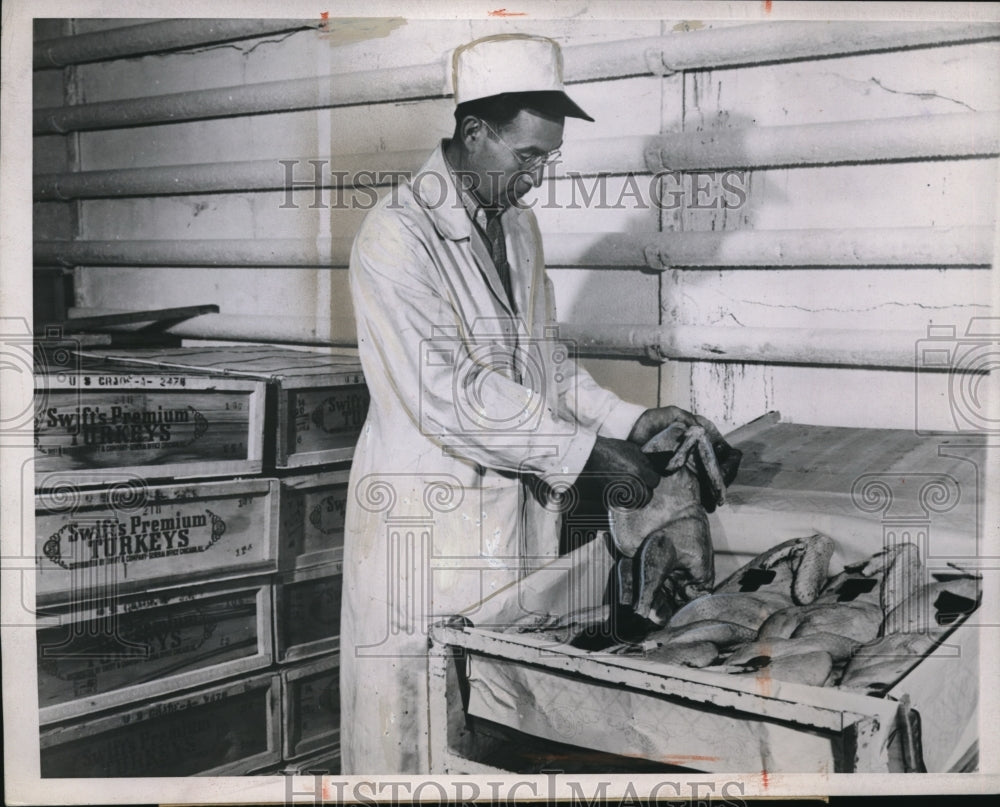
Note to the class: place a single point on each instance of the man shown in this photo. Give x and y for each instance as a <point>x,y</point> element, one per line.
<point>476,410</point>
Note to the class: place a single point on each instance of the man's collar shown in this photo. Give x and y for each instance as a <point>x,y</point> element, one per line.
<point>451,209</point>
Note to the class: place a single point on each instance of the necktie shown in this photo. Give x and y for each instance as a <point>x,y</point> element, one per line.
<point>498,250</point>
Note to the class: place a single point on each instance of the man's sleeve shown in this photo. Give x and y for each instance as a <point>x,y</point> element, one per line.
<point>462,399</point>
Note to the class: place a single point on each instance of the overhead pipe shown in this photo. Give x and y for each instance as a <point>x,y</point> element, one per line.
<point>905,138</point>
<point>581,63</point>
<point>229,252</point>
<point>375,169</point>
<point>155,37</point>
<point>694,50</point>
<point>886,349</point>
<point>611,155</point>
<point>342,89</point>
<point>834,248</point>
<point>808,346</point>
<point>816,248</point>
<point>758,43</point>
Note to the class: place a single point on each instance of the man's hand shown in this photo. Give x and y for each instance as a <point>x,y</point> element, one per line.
<point>653,421</point>
<point>619,473</point>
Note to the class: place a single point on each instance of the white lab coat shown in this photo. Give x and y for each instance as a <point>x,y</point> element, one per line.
<point>464,396</point>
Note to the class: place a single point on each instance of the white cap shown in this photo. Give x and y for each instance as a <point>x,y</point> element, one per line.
<point>511,63</point>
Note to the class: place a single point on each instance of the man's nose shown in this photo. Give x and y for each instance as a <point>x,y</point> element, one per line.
<point>533,176</point>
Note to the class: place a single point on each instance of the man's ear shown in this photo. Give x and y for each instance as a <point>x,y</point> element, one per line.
<point>472,132</point>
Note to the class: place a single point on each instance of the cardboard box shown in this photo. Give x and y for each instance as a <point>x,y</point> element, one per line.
<point>321,763</point>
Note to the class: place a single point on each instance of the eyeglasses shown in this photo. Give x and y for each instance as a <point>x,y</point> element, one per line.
<point>529,163</point>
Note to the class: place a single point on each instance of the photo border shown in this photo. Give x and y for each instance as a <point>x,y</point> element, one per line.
<point>23,784</point>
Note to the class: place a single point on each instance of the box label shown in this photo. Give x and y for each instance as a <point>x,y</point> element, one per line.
<point>89,541</point>
<point>102,428</point>
<point>326,418</point>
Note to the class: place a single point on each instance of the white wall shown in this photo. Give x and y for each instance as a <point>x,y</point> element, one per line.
<point>911,82</point>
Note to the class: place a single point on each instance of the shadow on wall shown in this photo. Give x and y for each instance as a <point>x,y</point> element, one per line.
<point>669,200</point>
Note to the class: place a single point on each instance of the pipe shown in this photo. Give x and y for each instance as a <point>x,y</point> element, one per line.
<point>238,252</point>
<point>745,44</point>
<point>617,155</point>
<point>854,348</point>
<point>343,89</point>
<point>758,43</point>
<point>908,138</point>
<point>899,247</point>
<point>374,169</point>
<point>809,346</point>
<point>154,37</point>
<point>874,246</point>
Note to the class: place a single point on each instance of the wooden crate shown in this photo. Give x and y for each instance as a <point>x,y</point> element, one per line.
<point>703,719</point>
<point>108,426</point>
<point>224,730</point>
<point>311,530</point>
<point>129,648</point>
<point>695,718</point>
<point>108,541</point>
<point>310,703</point>
<point>325,762</point>
<point>307,613</point>
<point>317,401</point>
